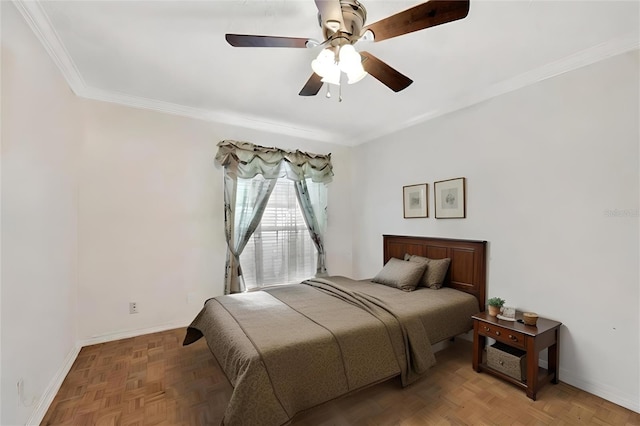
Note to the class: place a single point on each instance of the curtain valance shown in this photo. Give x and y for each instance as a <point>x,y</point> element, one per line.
<point>246,160</point>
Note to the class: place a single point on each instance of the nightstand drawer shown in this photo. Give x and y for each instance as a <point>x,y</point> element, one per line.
<point>501,334</point>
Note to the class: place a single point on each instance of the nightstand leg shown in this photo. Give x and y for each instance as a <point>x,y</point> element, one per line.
<point>532,368</point>
<point>554,360</point>
<point>478,347</point>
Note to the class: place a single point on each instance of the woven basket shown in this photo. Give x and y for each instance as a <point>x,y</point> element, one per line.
<point>508,360</point>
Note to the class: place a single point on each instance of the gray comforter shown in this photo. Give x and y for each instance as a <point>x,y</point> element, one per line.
<point>289,348</point>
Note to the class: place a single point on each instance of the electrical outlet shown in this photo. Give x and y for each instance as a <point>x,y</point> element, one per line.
<point>133,308</point>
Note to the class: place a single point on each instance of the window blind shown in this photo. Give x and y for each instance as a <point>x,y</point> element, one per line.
<point>280,250</point>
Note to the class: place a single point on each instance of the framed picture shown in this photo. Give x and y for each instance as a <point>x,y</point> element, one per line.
<point>449,198</point>
<point>415,199</point>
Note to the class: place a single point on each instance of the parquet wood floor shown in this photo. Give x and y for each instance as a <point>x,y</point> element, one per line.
<point>153,380</point>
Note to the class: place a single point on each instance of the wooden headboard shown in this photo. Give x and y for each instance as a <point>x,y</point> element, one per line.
<point>467,271</point>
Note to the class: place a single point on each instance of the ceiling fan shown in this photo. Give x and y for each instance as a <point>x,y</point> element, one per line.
<point>343,24</point>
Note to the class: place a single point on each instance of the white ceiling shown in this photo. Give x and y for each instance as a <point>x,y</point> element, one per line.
<point>172,56</point>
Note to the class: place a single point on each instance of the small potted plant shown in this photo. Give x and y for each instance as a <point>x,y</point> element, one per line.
<point>495,303</point>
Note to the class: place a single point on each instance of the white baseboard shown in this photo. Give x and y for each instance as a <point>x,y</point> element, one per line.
<point>437,347</point>
<point>609,393</point>
<point>603,391</point>
<point>468,336</point>
<point>53,388</point>
<point>129,333</point>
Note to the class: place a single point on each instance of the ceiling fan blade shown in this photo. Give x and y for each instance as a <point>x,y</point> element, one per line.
<point>388,76</point>
<point>425,15</point>
<point>246,40</point>
<point>313,86</point>
<point>331,13</point>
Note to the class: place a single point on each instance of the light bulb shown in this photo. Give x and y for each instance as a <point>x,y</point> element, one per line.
<point>349,58</point>
<point>348,53</point>
<point>356,75</point>
<point>332,75</point>
<point>323,63</point>
<point>356,71</point>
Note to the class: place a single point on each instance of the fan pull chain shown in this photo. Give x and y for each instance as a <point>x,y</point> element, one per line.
<point>328,90</point>
<point>340,93</point>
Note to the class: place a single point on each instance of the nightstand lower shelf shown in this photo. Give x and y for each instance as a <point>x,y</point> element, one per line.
<point>543,376</point>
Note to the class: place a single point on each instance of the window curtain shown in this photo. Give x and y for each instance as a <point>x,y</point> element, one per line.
<point>246,160</point>
<point>240,224</point>
<point>314,212</point>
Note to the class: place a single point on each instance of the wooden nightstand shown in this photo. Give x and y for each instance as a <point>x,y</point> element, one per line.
<point>531,339</point>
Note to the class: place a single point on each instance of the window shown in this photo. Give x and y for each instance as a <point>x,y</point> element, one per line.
<point>280,250</point>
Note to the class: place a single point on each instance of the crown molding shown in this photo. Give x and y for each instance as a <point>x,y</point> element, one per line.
<point>580,59</point>
<point>246,121</point>
<point>36,17</point>
<point>38,21</point>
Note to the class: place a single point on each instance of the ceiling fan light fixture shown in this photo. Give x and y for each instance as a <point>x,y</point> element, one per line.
<point>351,64</point>
<point>323,63</point>
<point>348,55</point>
<point>356,75</point>
<point>332,76</point>
<point>326,67</point>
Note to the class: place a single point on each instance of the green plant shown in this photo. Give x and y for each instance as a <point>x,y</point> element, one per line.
<point>495,301</point>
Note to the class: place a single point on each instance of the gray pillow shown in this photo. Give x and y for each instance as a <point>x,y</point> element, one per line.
<point>400,274</point>
<point>436,270</point>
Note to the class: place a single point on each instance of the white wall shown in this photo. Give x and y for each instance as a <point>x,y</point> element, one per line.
<point>151,216</point>
<point>40,140</point>
<point>544,165</point>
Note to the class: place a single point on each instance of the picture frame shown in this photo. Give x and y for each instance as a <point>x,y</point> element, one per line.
<point>415,199</point>
<point>450,198</point>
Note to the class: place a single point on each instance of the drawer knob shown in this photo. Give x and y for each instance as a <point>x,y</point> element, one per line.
<point>487,329</point>
<point>512,337</point>
<point>497,333</point>
<point>501,362</point>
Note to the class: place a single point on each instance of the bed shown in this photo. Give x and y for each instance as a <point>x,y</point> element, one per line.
<point>289,348</point>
